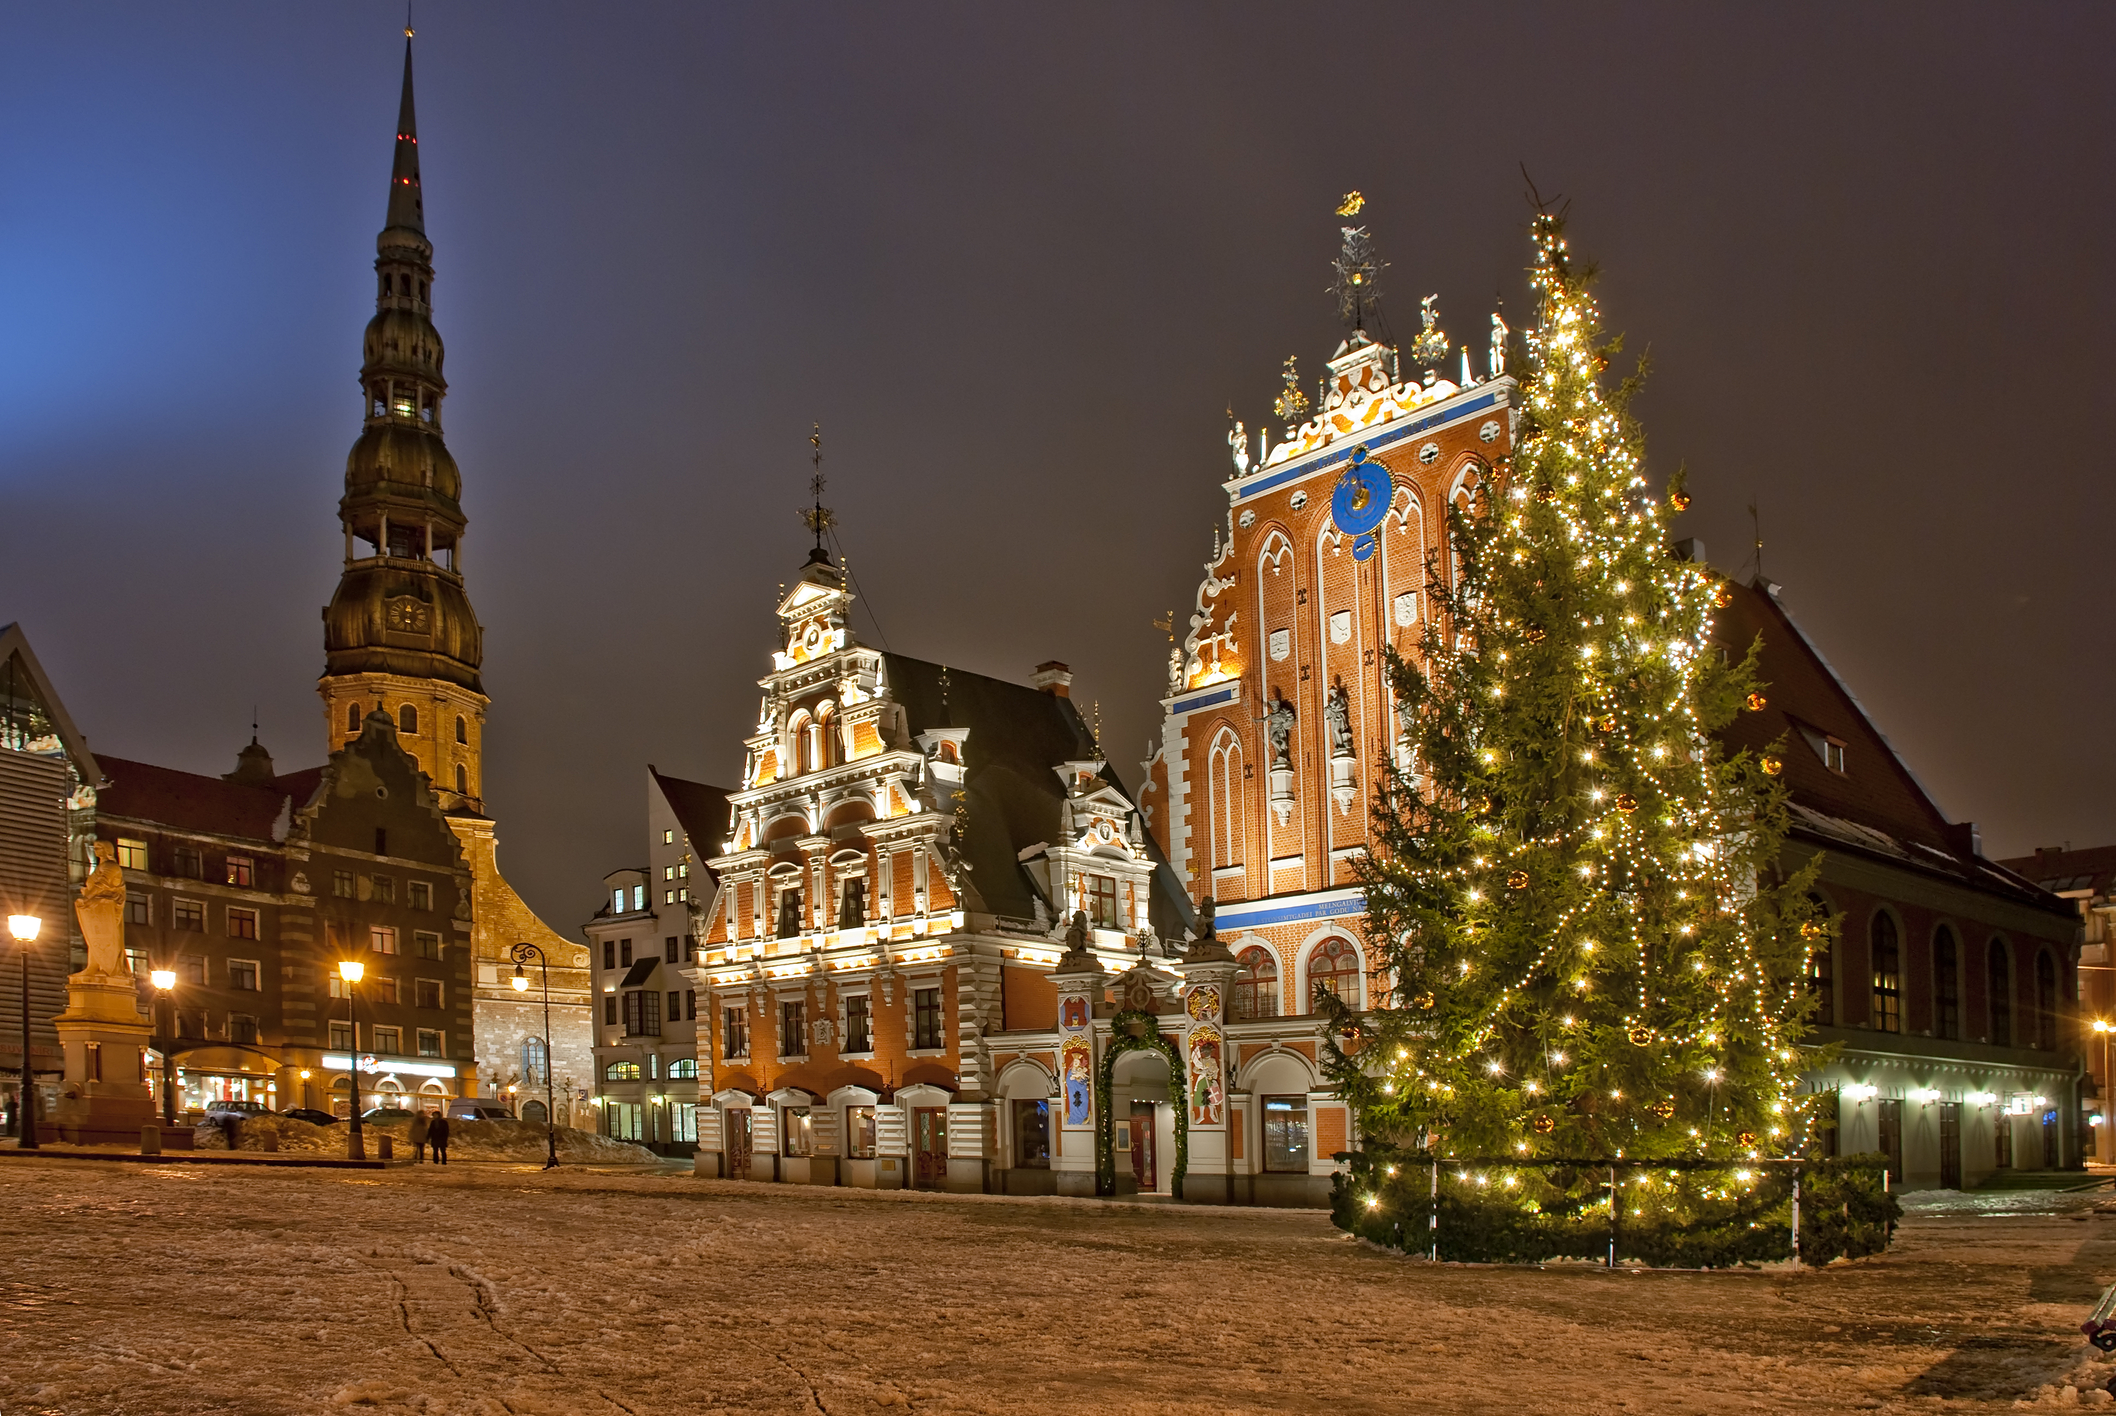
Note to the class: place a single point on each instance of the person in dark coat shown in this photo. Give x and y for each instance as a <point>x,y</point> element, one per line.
<point>420,1122</point>
<point>437,1137</point>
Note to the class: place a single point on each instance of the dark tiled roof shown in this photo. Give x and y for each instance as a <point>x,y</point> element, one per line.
<point>1875,805</point>
<point>1018,735</point>
<point>701,811</point>
<point>188,801</point>
<point>2092,869</point>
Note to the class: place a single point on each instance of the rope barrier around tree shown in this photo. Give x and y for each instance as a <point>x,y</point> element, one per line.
<point>1676,1213</point>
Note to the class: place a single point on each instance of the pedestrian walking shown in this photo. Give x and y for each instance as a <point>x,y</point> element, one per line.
<point>418,1136</point>
<point>437,1137</point>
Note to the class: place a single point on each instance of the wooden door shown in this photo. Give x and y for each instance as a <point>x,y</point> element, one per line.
<point>1142,1145</point>
<point>1950,1145</point>
<point>738,1144</point>
<point>929,1147</point>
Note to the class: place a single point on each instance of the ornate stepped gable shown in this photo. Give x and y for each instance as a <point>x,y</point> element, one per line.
<point>1278,711</point>
<point>896,816</point>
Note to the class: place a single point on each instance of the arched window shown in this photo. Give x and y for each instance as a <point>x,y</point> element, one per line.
<point>462,780</point>
<point>832,747</point>
<point>534,1061</point>
<point>1256,986</point>
<point>1822,967</point>
<point>1225,785</point>
<point>462,733</point>
<point>2045,1001</point>
<point>684,1069</point>
<point>352,717</point>
<point>804,743</point>
<point>947,751</point>
<point>621,1072</point>
<point>408,719</point>
<point>1888,974</point>
<point>1334,966</point>
<point>2001,995</point>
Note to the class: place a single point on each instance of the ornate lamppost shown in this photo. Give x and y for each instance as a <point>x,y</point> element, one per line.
<point>522,954</point>
<point>355,1144</point>
<point>25,928</point>
<point>164,1008</point>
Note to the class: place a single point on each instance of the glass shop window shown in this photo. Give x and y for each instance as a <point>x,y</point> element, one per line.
<point>1286,1134</point>
<point>859,1132</point>
<point>798,1131</point>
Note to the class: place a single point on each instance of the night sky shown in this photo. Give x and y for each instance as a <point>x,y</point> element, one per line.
<point>1018,261</point>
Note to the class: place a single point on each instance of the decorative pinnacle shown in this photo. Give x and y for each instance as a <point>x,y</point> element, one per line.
<point>1358,269</point>
<point>1292,404</point>
<point>1352,204</point>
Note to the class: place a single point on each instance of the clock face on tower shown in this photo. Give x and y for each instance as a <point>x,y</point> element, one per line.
<point>1360,500</point>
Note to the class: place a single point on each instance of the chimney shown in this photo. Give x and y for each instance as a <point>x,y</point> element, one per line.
<point>1964,839</point>
<point>1054,678</point>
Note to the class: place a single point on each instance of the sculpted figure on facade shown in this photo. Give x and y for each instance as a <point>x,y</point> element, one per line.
<point>1337,710</point>
<point>1278,724</point>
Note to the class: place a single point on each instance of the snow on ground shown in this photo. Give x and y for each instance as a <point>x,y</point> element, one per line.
<point>467,1140</point>
<point>168,1290</point>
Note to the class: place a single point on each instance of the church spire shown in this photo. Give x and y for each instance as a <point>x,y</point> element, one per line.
<point>400,633</point>
<point>405,207</point>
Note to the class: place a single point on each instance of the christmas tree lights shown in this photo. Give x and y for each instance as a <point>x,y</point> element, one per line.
<point>1575,899</point>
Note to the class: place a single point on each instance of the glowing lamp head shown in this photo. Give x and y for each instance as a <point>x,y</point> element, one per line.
<point>351,970</point>
<point>304,1074</point>
<point>521,980</point>
<point>2101,1025</point>
<point>24,928</point>
<point>164,979</point>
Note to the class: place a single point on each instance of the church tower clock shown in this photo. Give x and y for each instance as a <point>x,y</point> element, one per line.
<point>400,634</point>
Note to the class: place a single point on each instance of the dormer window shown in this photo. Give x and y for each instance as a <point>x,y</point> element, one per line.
<point>1101,893</point>
<point>1827,747</point>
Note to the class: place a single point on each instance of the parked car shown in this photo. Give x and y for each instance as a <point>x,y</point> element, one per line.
<point>477,1111</point>
<point>237,1108</point>
<point>311,1115</point>
<point>386,1113</point>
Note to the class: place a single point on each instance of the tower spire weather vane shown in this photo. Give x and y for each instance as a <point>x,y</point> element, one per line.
<point>1358,267</point>
<point>818,517</point>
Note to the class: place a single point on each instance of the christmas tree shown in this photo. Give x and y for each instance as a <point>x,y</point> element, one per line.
<point>1575,895</point>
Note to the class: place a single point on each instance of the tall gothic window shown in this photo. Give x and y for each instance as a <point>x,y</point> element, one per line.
<point>1256,986</point>
<point>1946,985</point>
<point>1888,974</point>
<point>2001,974</point>
<point>2045,1001</point>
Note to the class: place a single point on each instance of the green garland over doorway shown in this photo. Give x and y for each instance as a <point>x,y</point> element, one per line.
<point>1138,1032</point>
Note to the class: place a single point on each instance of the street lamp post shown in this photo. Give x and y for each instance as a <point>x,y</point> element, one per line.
<point>165,1002</point>
<point>522,954</point>
<point>24,928</point>
<point>355,1144</point>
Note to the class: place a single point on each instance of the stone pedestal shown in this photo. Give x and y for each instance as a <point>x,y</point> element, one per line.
<point>105,1098</point>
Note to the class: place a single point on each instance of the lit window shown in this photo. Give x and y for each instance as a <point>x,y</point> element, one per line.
<point>639,897</point>
<point>1256,986</point>
<point>1334,966</point>
<point>1286,1133</point>
<point>132,855</point>
<point>734,1034</point>
<point>621,1072</point>
<point>1888,975</point>
<point>242,871</point>
<point>859,1132</point>
<point>798,1131</point>
<point>668,838</point>
<point>668,897</point>
<point>381,939</point>
<point>684,1069</point>
<point>1102,902</point>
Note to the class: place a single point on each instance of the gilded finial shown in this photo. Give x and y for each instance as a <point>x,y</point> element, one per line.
<point>1352,203</point>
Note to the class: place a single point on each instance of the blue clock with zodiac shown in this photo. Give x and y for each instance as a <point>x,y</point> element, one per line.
<point>1360,500</point>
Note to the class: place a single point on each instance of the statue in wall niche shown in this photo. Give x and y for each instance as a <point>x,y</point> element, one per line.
<point>1076,933</point>
<point>1208,931</point>
<point>1278,725</point>
<point>101,910</point>
<point>1337,711</point>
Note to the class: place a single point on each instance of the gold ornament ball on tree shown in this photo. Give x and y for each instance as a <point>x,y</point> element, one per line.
<point>1664,1109</point>
<point>1679,500</point>
<point>1626,803</point>
<point>1772,766</point>
<point>1723,597</point>
<point>1517,881</point>
<point>1543,1125</point>
<point>1747,1138</point>
<point>1641,1036</point>
<point>1535,634</point>
<point>1754,702</point>
<point>1812,929</point>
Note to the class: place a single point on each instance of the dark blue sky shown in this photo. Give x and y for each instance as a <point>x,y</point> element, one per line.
<point>1018,262</point>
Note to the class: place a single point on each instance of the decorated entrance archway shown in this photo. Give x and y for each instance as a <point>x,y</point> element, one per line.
<point>1138,1032</point>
